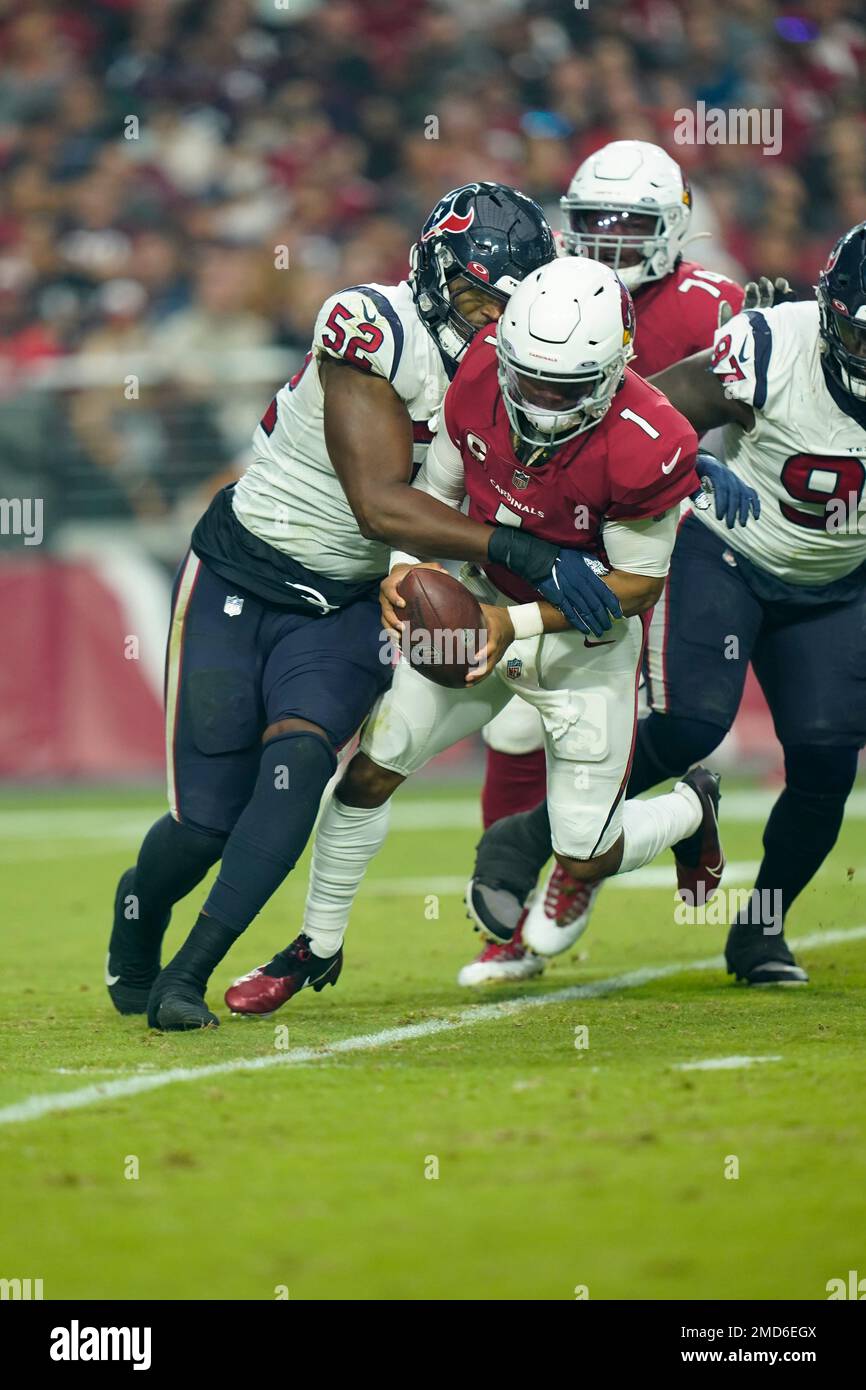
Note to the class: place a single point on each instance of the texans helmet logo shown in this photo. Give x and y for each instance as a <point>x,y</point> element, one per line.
<point>450,221</point>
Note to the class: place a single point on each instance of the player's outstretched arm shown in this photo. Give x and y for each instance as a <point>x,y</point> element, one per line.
<point>369,437</point>
<point>698,394</point>
<point>734,500</point>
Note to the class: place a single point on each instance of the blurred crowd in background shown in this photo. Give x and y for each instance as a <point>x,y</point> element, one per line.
<point>155,156</point>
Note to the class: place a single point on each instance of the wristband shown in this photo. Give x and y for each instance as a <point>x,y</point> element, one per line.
<point>399,557</point>
<point>526,620</point>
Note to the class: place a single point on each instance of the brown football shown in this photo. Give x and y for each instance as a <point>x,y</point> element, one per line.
<point>445,626</point>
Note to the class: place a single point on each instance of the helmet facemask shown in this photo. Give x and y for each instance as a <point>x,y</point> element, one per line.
<point>843,343</point>
<point>634,241</point>
<point>548,409</point>
<point>452,331</point>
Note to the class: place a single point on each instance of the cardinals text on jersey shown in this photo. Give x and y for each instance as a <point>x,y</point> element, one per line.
<point>803,454</point>
<point>290,495</point>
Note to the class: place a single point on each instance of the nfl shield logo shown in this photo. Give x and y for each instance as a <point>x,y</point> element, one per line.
<point>513,667</point>
<point>233,605</point>
<point>519,479</point>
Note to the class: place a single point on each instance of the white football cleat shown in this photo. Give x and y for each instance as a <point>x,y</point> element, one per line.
<point>501,964</point>
<point>559,913</point>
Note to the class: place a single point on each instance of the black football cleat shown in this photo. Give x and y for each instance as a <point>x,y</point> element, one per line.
<point>266,989</point>
<point>508,859</point>
<point>761,959</point>
<point>700,857</point>
<point>177,1006</point>
<point>130,969</point>
<point>495,910</point>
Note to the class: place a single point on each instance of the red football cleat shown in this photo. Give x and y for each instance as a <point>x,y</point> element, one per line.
<point>559,913</point>
<point>700,858</point>
<point>266,989</point>
<point>502,963</point>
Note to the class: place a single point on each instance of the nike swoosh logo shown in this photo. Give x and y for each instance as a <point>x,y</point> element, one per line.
<point>109,978</point>
<point>587,643</point>
<point>742,353</point>
<point>669,467</point>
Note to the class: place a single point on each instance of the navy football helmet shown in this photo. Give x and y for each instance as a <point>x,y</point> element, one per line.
<point>841,292</point>
<point>489,234</point>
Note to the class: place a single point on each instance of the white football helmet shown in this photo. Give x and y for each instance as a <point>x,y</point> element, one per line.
<point>628,205</point>
<point>563,342</point>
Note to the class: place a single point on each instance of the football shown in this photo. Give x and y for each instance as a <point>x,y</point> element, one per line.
<point>445,626</point>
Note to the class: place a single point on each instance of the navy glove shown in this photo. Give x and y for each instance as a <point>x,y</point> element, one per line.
<point>566,578</point>
<point>575,587</point>
<point>733,498</point>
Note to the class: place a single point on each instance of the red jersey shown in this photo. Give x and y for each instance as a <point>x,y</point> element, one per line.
<point>679,315</point>
<point>638,461</point>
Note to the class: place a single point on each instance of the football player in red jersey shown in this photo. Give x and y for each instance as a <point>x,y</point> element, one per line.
<point>629,206</point>
<point>543,426</point>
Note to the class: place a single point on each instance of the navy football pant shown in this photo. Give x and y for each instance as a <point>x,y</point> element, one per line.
<point>707,627</point>
<point>811,665</point>
<point>235,665</point>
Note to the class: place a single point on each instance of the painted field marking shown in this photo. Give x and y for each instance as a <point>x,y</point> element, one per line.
<point>722,1063</point>
<point>126,826</point>
<point>55,1102</point>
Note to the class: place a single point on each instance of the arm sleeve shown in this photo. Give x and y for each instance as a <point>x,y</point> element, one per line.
<point>442,476</point>
<point>642,547</point>
<point>442,473</point>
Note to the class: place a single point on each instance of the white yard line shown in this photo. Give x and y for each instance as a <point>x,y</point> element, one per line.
<point>652,876</point>
<point>722,1063</point>
<point>37,1106</point>
<point>414,814</point>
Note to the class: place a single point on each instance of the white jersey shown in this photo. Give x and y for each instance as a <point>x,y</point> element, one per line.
<point>290,495</point>
<point>805,457</point>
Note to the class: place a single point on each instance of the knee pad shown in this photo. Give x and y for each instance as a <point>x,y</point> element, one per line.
<point>194,846</point>
<point>298,758</point>
<point>198,841</point>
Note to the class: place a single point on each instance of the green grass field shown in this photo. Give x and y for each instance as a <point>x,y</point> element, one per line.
<point>558,1166</point>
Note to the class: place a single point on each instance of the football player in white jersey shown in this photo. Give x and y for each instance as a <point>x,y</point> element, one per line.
<point>275,653</point>
<point>787,592</point>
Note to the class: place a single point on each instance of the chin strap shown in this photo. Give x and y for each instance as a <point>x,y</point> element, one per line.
<point>694,236</point>
<point>530,455</point>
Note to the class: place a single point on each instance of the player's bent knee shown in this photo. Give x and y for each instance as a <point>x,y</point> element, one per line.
<point>598,867</point>
<point>293,725</point>
<point>676,742</point>
<point>366,784</point>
